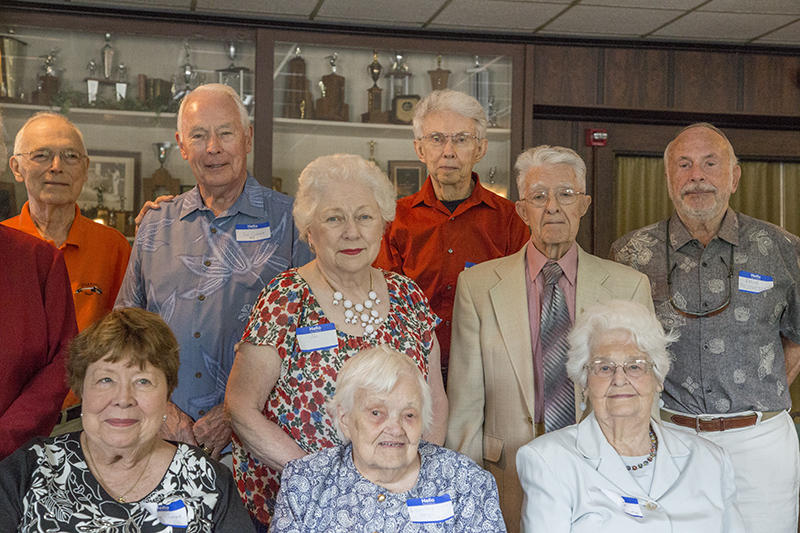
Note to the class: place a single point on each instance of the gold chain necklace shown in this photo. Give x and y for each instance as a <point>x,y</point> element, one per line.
<point>121,498</point>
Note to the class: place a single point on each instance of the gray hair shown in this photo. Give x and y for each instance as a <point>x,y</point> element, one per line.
<point>733,161</point>
<point>336,170</point>
<point>42,115</point>
<point>218,89</point>
<point>646,334</point>
<point>377,369</point>
<point>454,101</point>
<point>545,155</point>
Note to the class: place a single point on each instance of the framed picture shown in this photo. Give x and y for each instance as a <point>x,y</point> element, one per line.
<point>403,108</point>
<point>114,181</point>
<point>407,176</point>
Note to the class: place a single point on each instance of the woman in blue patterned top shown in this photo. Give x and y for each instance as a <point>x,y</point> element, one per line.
<point>385,478</point>
<point>118,475</point>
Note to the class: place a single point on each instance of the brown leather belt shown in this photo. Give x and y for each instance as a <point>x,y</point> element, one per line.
<point>716,423</point>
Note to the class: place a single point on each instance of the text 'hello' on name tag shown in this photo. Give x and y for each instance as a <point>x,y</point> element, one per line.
<point>754,283</point>
<point>629,505</point>
<point>429,510</point>
<point>321,337</point>
<point>170,514</point>
<point>253,232</point>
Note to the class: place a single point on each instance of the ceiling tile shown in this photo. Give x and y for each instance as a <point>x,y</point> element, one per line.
<point>785,7</point>
<point>496,15</point>
<point>397,12</point>
<point>788,35</point>
<point>299,9</point>
<point>610,21</point>
<point>645,4</point>
<point>730,27</point>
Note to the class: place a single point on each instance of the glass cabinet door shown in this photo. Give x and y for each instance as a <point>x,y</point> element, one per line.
<point>122,89</point>
<point>350,99</point>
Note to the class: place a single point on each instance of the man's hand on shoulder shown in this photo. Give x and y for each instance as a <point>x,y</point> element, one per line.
<point>213,431</point>
<point>178,426</point>
<point>151,204</point>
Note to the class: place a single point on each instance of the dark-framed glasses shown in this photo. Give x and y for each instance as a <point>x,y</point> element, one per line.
<point>707,312</point>
<point>460,140</point>
<point>562,195</point>
<point>45,156</point>
<point>635,368</point>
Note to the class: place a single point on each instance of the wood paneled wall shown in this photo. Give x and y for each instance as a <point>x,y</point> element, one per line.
<point>666,80</point>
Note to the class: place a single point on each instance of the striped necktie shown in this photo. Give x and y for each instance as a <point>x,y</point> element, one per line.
<point>559,393</point>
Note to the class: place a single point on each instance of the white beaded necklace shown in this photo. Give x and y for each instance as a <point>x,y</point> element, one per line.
<point>366,313</point>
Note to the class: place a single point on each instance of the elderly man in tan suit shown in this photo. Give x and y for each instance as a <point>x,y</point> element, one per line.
<point>508,383</point>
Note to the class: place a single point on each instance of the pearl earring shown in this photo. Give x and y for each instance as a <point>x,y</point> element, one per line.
<point>165,418</point>
<point>660,401</point>
<point>582,405</point>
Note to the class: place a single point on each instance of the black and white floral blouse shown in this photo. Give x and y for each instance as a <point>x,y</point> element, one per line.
<point>46,486</point>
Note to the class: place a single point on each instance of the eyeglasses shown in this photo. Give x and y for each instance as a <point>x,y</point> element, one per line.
<point>633,369</point>
<point>563,195</point>
<point>698,314</point>
<point>460,140</point>
<point>46,156</point>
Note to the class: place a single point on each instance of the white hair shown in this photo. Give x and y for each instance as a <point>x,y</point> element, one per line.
<point>44,115</point>
<point>336,170</point>
<point>546,155</point>
<point>378,370</point>
<point>732,160</point>
<point>645,331</point>
<point>454,101</point>
<point>218,89</point>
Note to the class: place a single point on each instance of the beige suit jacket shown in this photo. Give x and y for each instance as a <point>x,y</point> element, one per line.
<point>490,383</point>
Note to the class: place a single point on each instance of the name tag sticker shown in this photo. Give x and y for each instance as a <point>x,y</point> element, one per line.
<point>629,505</point>
<point>469,265</point>
<point>252,232</point>
<point>430,510</point>
<point>754,283</point>
<point>173,514</point>
<point>313,338</point>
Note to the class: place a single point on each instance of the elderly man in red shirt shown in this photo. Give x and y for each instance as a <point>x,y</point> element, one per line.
<point>453,222</point>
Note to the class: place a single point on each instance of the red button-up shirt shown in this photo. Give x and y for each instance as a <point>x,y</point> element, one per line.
<point>431,245</point>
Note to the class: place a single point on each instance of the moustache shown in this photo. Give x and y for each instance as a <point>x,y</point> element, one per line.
<point>693,189</point>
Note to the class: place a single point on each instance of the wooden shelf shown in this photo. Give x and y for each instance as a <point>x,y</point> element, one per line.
<point>361,129</point>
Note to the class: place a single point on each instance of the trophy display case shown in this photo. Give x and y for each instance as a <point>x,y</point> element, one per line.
<point>331,98</point>
<point>121,83</point>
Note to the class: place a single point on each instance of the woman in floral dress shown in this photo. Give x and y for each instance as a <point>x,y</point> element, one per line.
<point>308,321</point>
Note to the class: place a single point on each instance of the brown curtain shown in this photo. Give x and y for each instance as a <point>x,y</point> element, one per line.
<point>642,198</point>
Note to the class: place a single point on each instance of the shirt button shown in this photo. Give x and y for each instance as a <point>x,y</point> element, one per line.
<point>201,297</point>
<point>213,230</point>
<point>201,412</point>
<point>207,263</point>
<point>381,498</point>
<point>651,506</point>
<point>449,287</point>
<point>449,250</point>
<point>452,218</point>
<point>704,264</point>
<point>196,334</point>
<point>198,375</point>
<point>447,322</point>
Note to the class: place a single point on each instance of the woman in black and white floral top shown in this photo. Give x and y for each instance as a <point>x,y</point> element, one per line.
<point>118,475</point>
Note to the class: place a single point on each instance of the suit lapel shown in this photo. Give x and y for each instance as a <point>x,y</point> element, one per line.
<point>604,458</point>
<point>671,459</point>
<point>589,285</point>
<point>510,303</point>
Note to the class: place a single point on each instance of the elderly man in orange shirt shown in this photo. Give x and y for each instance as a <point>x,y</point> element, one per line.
<point>50,159</point>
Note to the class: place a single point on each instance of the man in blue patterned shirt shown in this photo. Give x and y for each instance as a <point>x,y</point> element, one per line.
<point>201,260</point>
<point>730,284</point>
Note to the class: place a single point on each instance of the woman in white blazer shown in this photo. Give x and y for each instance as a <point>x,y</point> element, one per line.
<point>619,470</point>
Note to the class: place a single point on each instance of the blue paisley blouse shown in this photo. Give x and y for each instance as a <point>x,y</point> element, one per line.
<point>325,492</point>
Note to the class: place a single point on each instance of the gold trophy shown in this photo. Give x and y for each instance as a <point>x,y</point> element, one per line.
<point>375,112</point>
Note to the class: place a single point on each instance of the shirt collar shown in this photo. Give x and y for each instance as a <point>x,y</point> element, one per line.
<point>75,237</point>
<point>568,262</point>
<point>728,230</point>
<point>248,202</point>
<point>428,197</point>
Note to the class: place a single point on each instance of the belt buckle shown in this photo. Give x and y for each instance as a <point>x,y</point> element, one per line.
<point>702,418</point>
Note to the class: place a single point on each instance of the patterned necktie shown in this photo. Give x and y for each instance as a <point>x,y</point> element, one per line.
<point>559,393</point>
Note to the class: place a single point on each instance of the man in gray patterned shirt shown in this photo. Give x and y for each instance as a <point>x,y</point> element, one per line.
<point>730,284</point>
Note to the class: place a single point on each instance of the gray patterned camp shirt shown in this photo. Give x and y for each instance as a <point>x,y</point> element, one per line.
<point>732,361</point>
